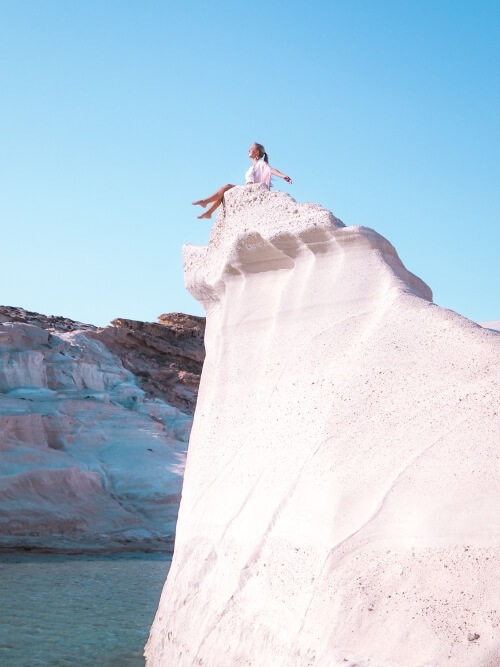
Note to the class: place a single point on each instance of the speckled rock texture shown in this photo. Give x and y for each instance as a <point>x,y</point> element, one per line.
<point>341,494</point>
<point>94,426</point>
<point>494,325</point>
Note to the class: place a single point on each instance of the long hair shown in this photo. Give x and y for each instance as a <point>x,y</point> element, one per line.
<point>262,152</point>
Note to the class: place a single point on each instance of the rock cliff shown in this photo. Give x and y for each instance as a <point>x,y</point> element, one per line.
<point>343,478</point>
<point>94,426</point>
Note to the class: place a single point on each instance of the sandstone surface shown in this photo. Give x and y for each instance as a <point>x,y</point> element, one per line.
<point>341,494</point>
<point>94,425</point>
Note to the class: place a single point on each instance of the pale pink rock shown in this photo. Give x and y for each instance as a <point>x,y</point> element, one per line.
<point>341,494</point>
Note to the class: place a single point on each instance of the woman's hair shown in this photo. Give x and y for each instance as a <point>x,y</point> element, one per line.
<point>262,151</point>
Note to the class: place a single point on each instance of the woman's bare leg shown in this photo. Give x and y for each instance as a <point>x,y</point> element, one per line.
<point>214,206</point>
<point>213,198</point>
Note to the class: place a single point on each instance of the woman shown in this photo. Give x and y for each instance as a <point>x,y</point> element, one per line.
<point>259,172</point>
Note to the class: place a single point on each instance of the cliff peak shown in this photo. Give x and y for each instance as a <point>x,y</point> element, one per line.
<point>343,465</point>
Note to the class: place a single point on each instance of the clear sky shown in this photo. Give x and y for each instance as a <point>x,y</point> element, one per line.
<point>116,114</point>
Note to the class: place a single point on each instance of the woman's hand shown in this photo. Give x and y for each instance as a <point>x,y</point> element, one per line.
<point>278,173</point>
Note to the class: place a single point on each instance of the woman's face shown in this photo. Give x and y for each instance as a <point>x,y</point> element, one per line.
<point>253,152</point>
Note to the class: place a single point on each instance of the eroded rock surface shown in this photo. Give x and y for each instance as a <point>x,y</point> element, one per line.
<point>92,454</point>
<point>341,493</point>
<point>166,358</point>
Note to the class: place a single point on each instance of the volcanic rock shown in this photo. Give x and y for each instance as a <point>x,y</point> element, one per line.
<point>341,494</point>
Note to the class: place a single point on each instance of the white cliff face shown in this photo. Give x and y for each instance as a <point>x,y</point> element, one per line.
<point>87,460</point>
<point>340,501</point>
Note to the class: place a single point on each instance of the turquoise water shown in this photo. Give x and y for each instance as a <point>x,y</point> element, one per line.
<point>78,611</point>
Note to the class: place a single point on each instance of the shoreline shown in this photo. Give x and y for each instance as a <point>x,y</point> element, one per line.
<point>89,549</point>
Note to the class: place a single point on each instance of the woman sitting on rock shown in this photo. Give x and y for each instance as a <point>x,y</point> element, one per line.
<point>259,172</point>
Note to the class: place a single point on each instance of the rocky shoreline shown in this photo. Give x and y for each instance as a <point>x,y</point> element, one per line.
<point>94,424</point>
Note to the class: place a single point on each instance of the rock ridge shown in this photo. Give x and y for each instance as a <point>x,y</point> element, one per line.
<point>243,241</point>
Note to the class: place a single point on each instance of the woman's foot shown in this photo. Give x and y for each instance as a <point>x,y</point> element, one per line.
<point>200,202</point>
<point>205,215</point>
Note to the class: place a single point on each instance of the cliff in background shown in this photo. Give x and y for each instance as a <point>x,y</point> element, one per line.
<point>343,477</point>
<point>166,358</point>
<point>94,425</point>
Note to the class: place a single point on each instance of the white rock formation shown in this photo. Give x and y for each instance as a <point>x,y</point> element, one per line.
<point>88,462</point>
<point>342,491</point>
<point>494,324</point>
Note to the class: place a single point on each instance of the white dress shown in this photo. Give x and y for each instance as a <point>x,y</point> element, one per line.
<point>260,172</point>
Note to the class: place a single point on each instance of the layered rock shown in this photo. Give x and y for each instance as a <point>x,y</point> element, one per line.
<point>343,477</point>
<point>166,358</point>
<point>92,453</point>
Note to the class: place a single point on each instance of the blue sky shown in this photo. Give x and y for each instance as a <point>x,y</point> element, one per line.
<point>116,114</point>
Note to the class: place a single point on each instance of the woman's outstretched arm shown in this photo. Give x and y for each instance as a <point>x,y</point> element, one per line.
<point>278,173</point>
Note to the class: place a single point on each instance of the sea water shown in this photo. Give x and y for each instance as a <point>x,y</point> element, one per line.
<point>78,611</point>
